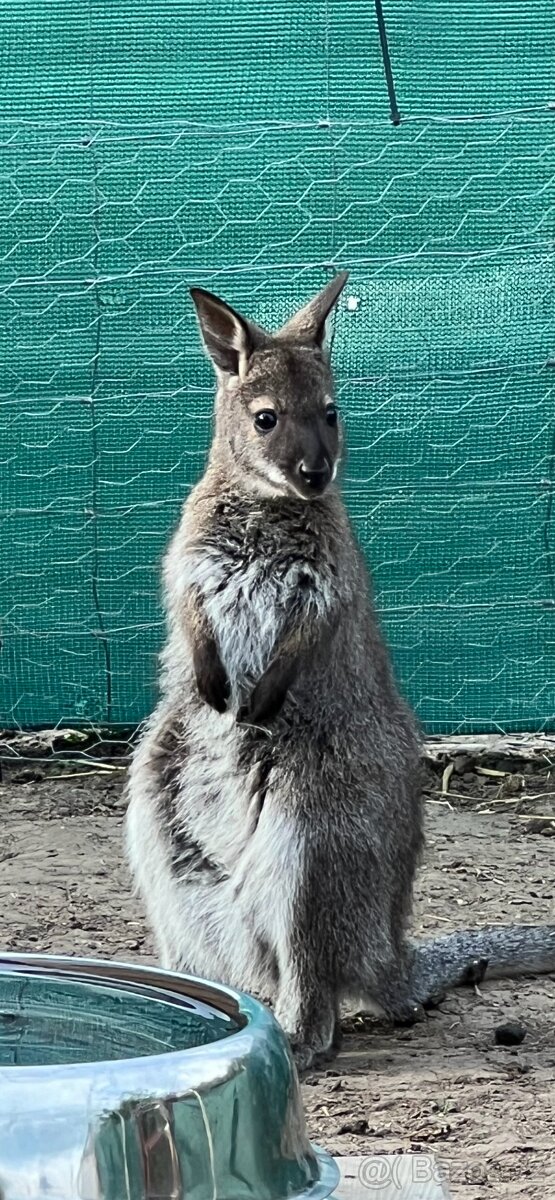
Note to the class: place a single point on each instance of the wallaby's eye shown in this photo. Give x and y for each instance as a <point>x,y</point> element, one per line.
<point>265,420</point>
<point>331,414</point>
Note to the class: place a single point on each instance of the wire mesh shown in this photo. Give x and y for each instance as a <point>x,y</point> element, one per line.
<point>250,149</point>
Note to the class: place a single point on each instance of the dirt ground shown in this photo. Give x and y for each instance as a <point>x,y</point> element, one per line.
<point>487,1112</point>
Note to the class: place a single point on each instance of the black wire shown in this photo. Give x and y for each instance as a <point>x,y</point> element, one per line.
<point>393,106</point>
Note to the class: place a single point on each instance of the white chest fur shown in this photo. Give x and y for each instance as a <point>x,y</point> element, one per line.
<point>250,603</point>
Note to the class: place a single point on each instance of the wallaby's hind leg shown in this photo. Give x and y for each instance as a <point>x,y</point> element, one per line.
<point>405,993</point>
<point>283,907</point>
<point>307,1012</point>
<point>382,975</point>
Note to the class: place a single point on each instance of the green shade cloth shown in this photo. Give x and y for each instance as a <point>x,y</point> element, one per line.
<point>248,148</point>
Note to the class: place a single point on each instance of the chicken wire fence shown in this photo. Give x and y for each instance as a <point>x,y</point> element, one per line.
<point>254,149</point>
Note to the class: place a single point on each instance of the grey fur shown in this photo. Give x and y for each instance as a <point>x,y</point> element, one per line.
<point>275,817</point>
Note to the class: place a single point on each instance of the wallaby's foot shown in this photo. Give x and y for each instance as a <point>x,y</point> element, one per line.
<point>310,1023</point>
<point>311,1050</point>
<point>471,975</point>
<point>306,1056</point>
<point>312,1053</point>
<point>431,995</point>
<point>410,1014</point>
<point>399,1005</point>
<point>433,1000</point>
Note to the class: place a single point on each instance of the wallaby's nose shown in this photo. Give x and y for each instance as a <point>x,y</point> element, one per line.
<point>315,477</point>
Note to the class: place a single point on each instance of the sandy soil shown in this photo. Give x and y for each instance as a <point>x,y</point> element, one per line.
<point>487,1112</point>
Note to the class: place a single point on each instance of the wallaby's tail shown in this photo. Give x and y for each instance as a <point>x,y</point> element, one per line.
<point>455,959</point>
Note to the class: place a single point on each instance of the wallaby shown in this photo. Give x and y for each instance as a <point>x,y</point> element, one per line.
<point>275,817</point>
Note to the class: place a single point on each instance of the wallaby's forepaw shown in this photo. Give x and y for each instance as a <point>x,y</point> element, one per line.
<point>212,681</point>
<point>268,696</point>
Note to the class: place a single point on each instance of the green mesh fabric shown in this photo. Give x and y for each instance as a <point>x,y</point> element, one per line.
<point>248,147</point>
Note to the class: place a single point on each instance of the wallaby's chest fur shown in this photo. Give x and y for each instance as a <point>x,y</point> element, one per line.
<point>261,569</point>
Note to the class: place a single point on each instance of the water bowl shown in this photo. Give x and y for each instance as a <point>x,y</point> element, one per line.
<point>120,1082</point>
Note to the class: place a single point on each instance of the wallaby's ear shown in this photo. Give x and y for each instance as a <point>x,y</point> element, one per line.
<point>309,323</point>
<point>229,338</point>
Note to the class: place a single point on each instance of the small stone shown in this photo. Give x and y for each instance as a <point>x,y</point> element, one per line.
<point>359,1125</point>
<point>28,775</point>
<point>475,1174</point>
<point>510,1034</point>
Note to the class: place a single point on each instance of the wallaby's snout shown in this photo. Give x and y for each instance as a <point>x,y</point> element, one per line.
<point>275,412</point>
<point>319,461</point>
<point>315,478</point>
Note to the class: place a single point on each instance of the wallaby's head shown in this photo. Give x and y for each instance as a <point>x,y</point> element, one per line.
<point>275,409</point>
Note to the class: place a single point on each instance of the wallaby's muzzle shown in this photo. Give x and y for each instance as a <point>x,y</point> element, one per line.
<point>314,478</point>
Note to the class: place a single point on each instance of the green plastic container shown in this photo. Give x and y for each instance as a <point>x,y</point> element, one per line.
<point>128,1083</point>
